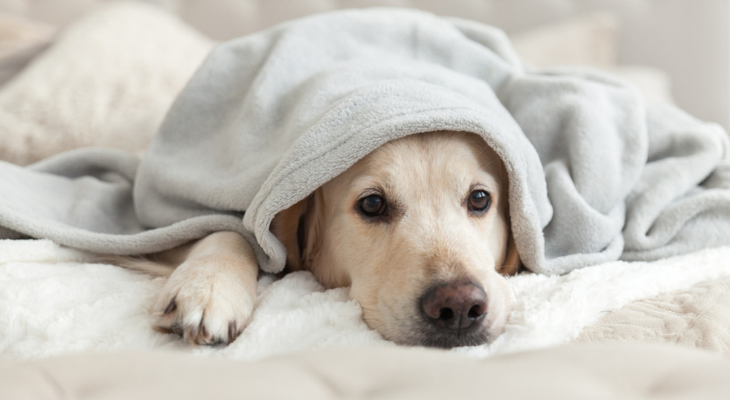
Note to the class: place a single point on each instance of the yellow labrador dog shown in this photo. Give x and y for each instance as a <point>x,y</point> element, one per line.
<point>419,229</point>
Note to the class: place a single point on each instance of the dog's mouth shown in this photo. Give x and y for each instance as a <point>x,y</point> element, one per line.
<point>422,331</point>
<point>431,336</point>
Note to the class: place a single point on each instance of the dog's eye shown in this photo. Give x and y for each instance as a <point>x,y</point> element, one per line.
<point>479,201</point>
<point>373,205</point>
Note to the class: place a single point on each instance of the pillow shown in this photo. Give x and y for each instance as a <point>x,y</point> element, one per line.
<point>654,84</point>
<point>107,80</point>
<point>590,40</point>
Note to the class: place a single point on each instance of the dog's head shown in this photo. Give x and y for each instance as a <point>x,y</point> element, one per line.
<point>420,230</point>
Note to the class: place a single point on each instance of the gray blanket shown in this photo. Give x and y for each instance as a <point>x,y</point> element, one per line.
<point>595,175</point>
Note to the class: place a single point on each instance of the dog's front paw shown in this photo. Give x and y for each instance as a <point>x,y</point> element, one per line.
<point>207,301</point>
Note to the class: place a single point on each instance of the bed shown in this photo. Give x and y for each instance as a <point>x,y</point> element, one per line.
<point>107,79</point>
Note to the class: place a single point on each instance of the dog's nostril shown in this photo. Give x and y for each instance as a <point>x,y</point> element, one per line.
<point>476,311</point>
<point>446,314</point>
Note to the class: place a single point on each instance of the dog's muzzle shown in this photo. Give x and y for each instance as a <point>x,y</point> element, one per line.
<point>454,314</point>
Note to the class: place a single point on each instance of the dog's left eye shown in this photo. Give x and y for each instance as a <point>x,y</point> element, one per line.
<point>373,206</point>
<point>479,201</point>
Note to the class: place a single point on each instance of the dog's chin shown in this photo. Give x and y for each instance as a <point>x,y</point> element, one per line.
<point>430,336</point>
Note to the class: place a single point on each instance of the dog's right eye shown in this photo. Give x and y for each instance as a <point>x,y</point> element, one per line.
<point>373,206</point>
<point>479,201</point>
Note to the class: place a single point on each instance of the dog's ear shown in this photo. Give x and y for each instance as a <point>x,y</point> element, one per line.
<point>299,229</point>
<point>512,262</point>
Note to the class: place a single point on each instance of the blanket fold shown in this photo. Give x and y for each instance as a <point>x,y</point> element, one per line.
<point>595,175</point>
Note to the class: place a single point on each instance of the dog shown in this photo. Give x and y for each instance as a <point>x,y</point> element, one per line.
<point>419,229</point>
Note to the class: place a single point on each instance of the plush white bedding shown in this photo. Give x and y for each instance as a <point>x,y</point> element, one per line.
<point>51,308</point>
<point>697,317</point>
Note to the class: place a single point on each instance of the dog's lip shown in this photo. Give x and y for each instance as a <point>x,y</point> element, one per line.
<point>430,336</point>
<point>461,331</point>
<point>451,340</point>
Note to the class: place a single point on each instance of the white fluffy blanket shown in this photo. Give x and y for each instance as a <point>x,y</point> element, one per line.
<point>49,308</point>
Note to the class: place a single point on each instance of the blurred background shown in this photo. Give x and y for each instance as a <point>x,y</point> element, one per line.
<point>675,51</point>
<point>688,40</point>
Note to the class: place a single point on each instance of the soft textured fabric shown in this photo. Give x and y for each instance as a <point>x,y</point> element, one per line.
<point>48,309</point>
<point>142,60</point>
<point>662,34</point>
<point>696,317</point>
<point>569,372</point>
<point>106,80</point>
<point>268,118</point>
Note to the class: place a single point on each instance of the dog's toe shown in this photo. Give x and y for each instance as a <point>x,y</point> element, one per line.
<point>204,309</point>
<point>211,327</point>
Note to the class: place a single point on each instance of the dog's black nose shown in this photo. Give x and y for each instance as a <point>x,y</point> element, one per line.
<point>455,306</point>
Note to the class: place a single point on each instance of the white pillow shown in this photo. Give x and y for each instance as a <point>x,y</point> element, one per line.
<point>107,80</point>
<point>654,84</point>
<point>591,40</point>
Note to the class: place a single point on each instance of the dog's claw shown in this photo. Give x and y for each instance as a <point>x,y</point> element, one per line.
<point>199,334</point>
<point>170,307</point>
<point>192,335</point>
<point>232,332</point>
<point>163,329</point>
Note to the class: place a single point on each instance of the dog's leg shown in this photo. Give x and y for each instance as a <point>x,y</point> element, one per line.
<point>210,297</point>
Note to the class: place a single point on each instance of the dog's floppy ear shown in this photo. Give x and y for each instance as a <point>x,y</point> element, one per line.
<point>512,262</point>
<point>299,228</point>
